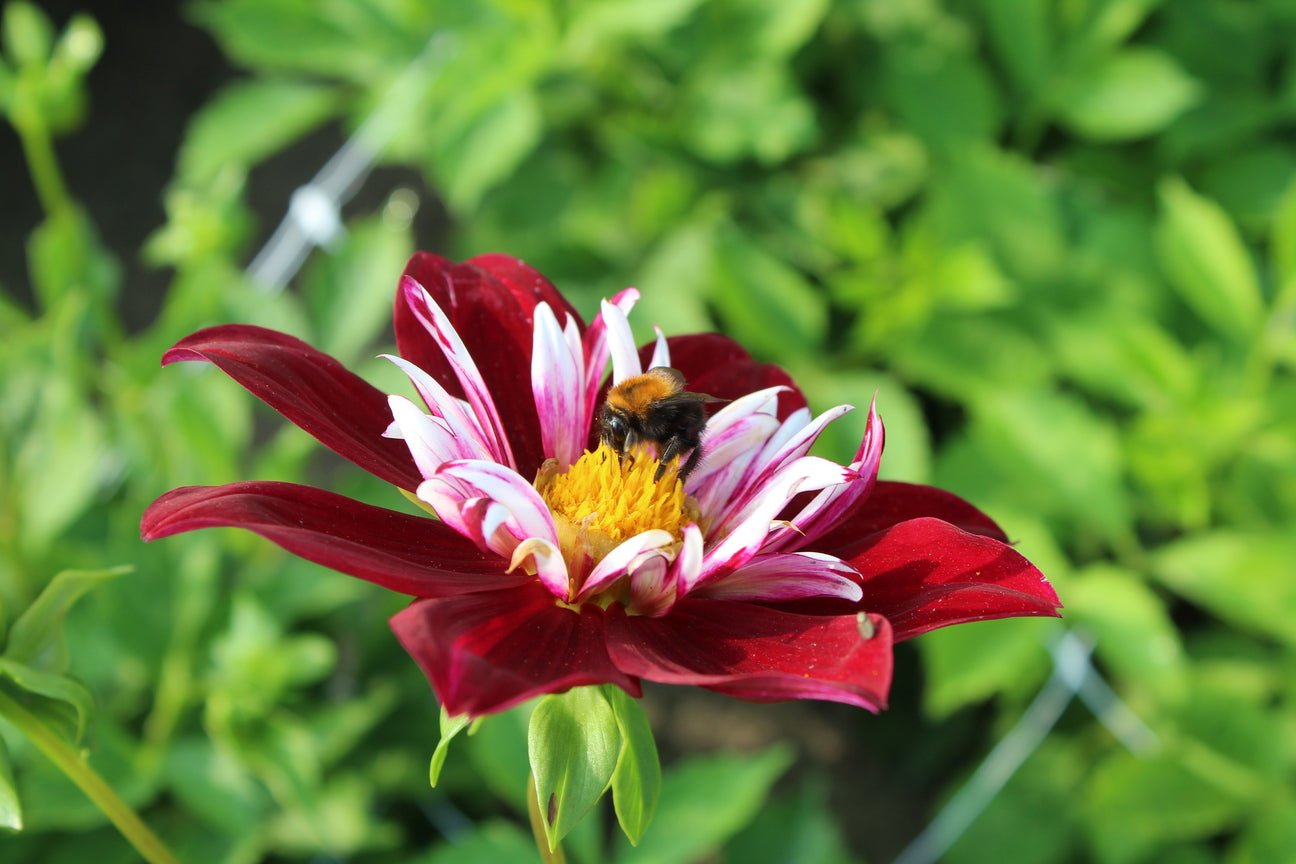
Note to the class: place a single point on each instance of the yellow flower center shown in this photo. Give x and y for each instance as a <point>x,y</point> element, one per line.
<point>605,499</point>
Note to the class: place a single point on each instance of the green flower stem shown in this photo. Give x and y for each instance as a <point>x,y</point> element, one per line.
<point>547,855</point>
<point>38,147</point>
<point>79,772</point>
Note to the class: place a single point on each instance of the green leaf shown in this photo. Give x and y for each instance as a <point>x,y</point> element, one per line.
<point>1133,93</point>
<point>37,636</point>
<point>942,94</point>
<point>78,48</point>
<point>574,743</point>
<point>70,704</point>
<point>595,25</point>
<point>59,464</point>
<point>1124,356</point>
<point>755,110</point>
<point>10,805</point>
<point>349,291</point>
<point>704,802</point>
<point>1243,577</point>
<point>1019,30</point>
<point>489,150</point>
<point>450,727</point>
<point>1135,805</point>
<point>486,843</point>
<point>28,33</point>
<point>1053,451</point>
<point>1003,199</point>
<point>972,663</point>
<point>66,256</point>
<point>1207,263</point>
<point>1270,835</point>
<point>1134,635</point>
<point>250,120</point>
<point>763,302</point>
<point>804,830</point>
<point>1282,236</point>
<point>290,35</point>
<point>636,782</point>
<point>497,750</point>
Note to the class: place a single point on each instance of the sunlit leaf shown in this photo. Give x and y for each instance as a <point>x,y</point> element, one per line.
<point>1135,805</point>
<point>450,727</point>
<point>1206,261</point>
<point>69,706</point>
<point>704,801</point>
<point>250,120</point>
<point>37,636</point>
<point>574,743</point>
<point>10,806</point>
<point>1244,577</point>
<point>636,783</point>
<point>1133,93</point>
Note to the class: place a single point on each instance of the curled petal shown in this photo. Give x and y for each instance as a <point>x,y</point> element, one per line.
<point>474,386</point>
<point>311,389</point>
<point>528,515</point>
<point>429,440</point>
<point>410,554</point>
<point>490,300</point>
<point>788,576</point>
<point>891,503</point>
<point>757,653</point>
<point>622,558</point>
<point>471,439</point>
<point>752,524</point>
<point>834,504</point>
<point>652,590</point>
<point>503,648</point>
<point>548,562</point>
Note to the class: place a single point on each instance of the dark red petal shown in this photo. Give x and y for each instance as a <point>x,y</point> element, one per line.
<point>891,503</point>
<point>491,302</point>
<point>528,284</point>
<point>925,573</point>
<point>757,653</point>
<point>311,389</point>
<point>485,653</point>
<point>720,367</point>
<point>411,554</point>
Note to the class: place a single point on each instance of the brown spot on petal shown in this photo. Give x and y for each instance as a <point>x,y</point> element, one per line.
<point>552,809</point>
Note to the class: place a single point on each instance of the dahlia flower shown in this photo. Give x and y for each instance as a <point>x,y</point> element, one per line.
<point>547,561</point>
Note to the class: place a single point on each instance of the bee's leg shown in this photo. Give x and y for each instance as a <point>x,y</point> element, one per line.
<point>673,449</point>
<point>691,463</point>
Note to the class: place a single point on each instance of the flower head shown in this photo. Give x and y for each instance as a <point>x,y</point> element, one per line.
<point>554,561</point>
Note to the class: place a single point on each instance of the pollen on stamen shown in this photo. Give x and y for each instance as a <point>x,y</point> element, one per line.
<point>612,499</point>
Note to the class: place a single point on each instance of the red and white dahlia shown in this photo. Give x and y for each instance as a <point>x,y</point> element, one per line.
<point>768,574</point>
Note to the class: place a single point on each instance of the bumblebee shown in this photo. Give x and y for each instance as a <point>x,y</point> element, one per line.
<point>655,408</point>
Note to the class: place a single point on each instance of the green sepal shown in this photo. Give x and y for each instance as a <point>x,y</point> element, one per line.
<point>636,782</point>
<point>10,806</point>
<point>36,639</point>
<point>575,743</point>
<point>67,705</point>
<point>450,727</point>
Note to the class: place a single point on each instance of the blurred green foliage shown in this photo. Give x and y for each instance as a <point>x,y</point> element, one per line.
<point>1057,238</point>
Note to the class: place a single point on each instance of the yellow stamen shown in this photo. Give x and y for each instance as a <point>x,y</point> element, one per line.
<point>604,499</point>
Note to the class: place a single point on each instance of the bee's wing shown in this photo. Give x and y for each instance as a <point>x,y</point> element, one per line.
<point>685,396</point>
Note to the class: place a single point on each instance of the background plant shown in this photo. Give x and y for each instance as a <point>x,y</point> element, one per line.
<point>1058,238</point>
